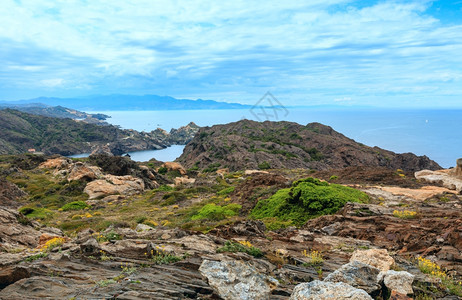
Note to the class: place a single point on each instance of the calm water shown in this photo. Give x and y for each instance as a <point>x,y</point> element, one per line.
<point>434,133</point>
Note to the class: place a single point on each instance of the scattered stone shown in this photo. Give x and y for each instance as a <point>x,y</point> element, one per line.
<point>302,236</point>
<point>237,280</point>
<point>399,282</point>
<point>90,247</point>
<point>143,227</point>
<point>320,290</point>
<point>377,258</point>
<point>358,275</point>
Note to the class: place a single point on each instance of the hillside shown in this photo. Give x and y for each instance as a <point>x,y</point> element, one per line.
<point>21,131</point>
<point>250,145</point>
<point>56,112</point>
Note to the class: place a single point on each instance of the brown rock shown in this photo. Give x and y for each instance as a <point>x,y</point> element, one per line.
<point>398,296</point>
<point>184,180</point>
<point>56,163</point>
<point>174,166</point>
<point>12,274</point>
<point>114,185</point>
<point>83,171</point>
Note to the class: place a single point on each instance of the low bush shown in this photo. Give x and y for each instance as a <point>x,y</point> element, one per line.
<point>76,205</point>
<point>242,246</point>
<point>216,213</point>
<point>306,199</point>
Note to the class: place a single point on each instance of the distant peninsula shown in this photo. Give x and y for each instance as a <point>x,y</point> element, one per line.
<point>129,102</point>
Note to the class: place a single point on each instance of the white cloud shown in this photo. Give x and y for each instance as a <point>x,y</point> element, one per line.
<point>213,48</point>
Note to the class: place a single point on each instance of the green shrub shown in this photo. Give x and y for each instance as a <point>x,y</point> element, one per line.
<point>162,170</point>
<point>165,188</point>
<point>140,219</point>
<point>306,199</point>
<point>76,205</point>
<point>217,213</point>
<point>226,191</point>
<point>245,247</point>
<point>264,165</point>
<point>36,212</point>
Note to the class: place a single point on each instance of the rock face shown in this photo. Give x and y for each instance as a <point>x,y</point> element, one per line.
<point>358,275</point>
<point>252,145</point>
<point>174,166</point>
<point>237,280</point>
<point>400,282</point>
<point>320,290</point>
<point>378,258</point>
<point>10,193</point>
<point>443,177</point>
<point>13,233</point>
<point>114,185</point>
<point>458,169</point>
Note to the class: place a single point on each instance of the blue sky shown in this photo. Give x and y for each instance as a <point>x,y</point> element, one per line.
<point>380,53</point>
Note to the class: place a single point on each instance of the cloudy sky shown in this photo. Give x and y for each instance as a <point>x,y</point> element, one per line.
<point>381,53</point>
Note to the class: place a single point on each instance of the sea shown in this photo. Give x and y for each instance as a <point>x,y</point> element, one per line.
<point>434,133</point>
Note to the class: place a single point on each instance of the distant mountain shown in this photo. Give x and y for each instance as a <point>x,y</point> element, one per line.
<point>130,102</point>
<point>251,145</point>
<point>57,112</point>
<point>21,131</point>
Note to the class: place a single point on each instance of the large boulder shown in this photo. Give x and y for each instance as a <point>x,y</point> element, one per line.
<point>447,178</point>
<point>378,258</point>
<point>398,281</point>
<point>83,171</point>
<point>358,275</point>
<point>114,185</point>
<point>320,290</point>
<point>237,280</point>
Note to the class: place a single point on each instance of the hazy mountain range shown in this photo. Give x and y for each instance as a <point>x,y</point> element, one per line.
<point>128,102</point>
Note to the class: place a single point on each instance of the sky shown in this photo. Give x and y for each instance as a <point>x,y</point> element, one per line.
<point>316,52</point>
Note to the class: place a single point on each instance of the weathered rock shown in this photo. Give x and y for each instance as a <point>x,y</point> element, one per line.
<point>237,280</point>
<point>13,232</point>
<point>83,171</point>
<point>377,258</point>
<point>10,193</point>
<point>457,171</point>
<point>400,282</point>
<point>358,275</point>
<point>302,236</point>
<point>174,166</point>
<point>114,185</point>
<point>56,163</point>
<point>443,177</point>
<point>184,180</point>
<point>319,290</point>
<point>102,149</point>
<point>12,274</point>
<point>90,247</point>
<point>143,227</point>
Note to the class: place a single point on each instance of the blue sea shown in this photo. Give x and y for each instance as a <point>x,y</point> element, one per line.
<point>434,133</point>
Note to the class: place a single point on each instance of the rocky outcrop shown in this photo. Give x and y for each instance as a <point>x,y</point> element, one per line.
<point>174,166</point>
<point>445,178</point>
<point>261,145</point>
<point>180,136</point>
<point>320,290</point>
<point>10,194</point>
<point>236,280</point>
<point>83,171</point>
<point>17,231</point>
<point>114,185</point>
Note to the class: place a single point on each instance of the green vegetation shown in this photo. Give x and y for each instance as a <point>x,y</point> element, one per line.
<point>76,205</point>
<point>306,199</point>
<point>110,236</point>
<point>241,246</point>
<point>264,165</point>
<point>37,213</point>
<point>36,256</point>
<point>226,191</point>
<point>216,213</point>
